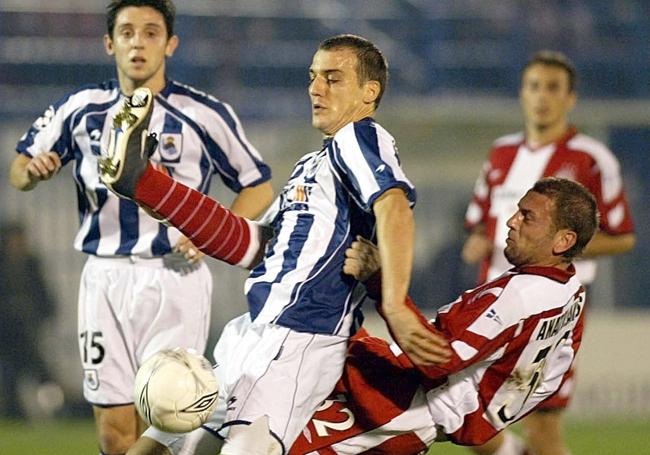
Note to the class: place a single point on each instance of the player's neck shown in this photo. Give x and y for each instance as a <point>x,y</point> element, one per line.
<point>555,262</point>
<point>537,136</point>
<point>156,84</point>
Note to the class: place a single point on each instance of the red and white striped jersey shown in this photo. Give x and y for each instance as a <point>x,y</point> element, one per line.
<point>513,339</point>
<point>512,169</point>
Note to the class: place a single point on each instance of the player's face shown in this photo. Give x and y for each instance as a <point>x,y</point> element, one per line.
<point>531,237</point>
<point>337,97</point>
<point>140,46</point>
<point>545,96</point>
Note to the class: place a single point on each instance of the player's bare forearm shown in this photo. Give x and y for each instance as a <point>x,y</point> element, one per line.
<point>253,200</point>
<point>25,172</point>
<point>603,244</point>
<point>477,246</point>
<point>395,238</point>
<point>407,325</point>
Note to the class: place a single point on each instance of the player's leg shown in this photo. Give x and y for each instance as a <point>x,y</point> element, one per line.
<point>117,428</point>
<point>211,227</point>
<point>504,443</point>
<point>127,312</point>
<point>214,229</point>
<point>268,359</point>
<point>543,427</point>
<point>544,432</point>
<point>490,447</point>
<point>148,446</point>
<point>104,358</point>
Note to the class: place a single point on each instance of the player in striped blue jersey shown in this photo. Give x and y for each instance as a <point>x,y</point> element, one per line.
<point>279,362</point>
<point>136,296</point>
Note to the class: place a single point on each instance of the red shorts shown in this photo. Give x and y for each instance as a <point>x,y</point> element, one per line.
<point>385,416</point>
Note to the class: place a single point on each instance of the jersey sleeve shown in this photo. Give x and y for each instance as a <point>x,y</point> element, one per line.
<point>51,132</point>
<point>236,160</point>
<point>608,187</point>
<point>479,205</point>
<point>365,158</point>
<point>474,326</point>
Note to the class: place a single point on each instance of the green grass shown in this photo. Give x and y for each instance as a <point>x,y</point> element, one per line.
<point>69,437</point>
<point>587,437</point>
<point>77,437</point>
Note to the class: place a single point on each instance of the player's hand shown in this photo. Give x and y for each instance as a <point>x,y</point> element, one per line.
<point>185,247</point>
<point>361,259</point>
<point>476,248</point>
<point>421,345</point>
<point>43,166</point>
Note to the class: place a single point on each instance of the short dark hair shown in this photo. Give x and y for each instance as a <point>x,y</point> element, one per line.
<point>575,209</point>
<point>371,64</point>
<point>557,59</point>
<point>164,7</point>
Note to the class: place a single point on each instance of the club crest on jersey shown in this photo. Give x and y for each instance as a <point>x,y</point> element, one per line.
<point>296,196</point>
<point>492,314</point>
<point>91,378</point>
<point>170,147</point>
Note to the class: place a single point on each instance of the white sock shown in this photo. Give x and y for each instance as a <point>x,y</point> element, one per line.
<point>512,445</point>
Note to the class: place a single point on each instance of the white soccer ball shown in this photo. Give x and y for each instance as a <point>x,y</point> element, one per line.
<point>139,97</point>
<point>176,390</point>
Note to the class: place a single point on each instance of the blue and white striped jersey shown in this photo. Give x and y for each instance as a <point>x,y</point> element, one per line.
<point>325,204</point>
<point>199,138</point>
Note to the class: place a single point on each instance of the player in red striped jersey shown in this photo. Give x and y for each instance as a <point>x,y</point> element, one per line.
<point>549,146</point>
<point>513,340</point>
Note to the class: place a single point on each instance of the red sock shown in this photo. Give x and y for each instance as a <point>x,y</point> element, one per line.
<point>213,229</point>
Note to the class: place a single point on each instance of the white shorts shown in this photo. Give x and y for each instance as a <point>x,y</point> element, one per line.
<point>270,370</point>
<point>129,309</point>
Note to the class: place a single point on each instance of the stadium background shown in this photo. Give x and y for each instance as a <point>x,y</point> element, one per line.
<point>455,67</point>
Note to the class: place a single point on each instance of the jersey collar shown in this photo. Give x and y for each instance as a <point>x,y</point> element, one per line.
<point>566,137</point>
<point>553,273</point>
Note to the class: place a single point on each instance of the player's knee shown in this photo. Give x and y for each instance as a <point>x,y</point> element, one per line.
<point>114,443</point>
<point>544,424</point>
<point>253,439</point>
<point>504,443</point>
<point>116,431</point>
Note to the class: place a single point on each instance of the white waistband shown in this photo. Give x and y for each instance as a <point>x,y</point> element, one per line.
<point>156,262</point>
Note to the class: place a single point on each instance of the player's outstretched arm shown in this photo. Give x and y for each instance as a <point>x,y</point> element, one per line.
<point>477,247</point>
<point>606,244</point>
<point>252,201</point>
<point>395,232</point>
<point>362,261</point>
<point>25,172</point>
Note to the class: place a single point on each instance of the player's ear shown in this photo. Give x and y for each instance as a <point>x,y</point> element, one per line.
<point>371,91</point>
<point>108,45</point>
<point>172,44</point>
<point>571,101</point>
<point>564,240</point>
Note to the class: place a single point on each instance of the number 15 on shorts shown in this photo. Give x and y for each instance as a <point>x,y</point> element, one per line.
<point>91,347</point>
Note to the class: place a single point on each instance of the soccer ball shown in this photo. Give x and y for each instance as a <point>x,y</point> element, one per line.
<point>176,390</point>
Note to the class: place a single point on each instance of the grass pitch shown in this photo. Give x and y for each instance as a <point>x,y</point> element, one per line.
<point>77,437</point>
